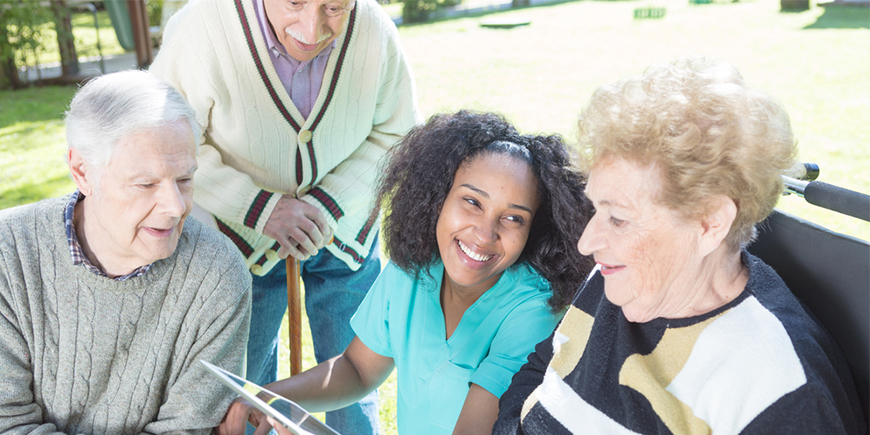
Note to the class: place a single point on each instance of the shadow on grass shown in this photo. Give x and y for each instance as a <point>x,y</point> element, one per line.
<point>842,17</point>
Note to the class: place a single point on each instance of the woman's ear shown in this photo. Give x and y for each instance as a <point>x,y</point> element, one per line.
<point>716,224</point>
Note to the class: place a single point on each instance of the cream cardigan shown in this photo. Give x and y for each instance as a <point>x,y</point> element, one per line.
<point>256,145</point>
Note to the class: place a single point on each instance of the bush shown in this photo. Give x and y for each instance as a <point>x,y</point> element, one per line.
<point>417,11</point>
<point>20,34</point>
<point>155,12</point>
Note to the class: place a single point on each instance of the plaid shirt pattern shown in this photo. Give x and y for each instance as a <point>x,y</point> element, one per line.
<point>75,248</point>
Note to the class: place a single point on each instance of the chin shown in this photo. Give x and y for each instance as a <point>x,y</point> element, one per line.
<point>164,251</point>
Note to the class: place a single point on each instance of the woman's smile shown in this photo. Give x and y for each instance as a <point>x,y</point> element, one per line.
<point>485,220</point>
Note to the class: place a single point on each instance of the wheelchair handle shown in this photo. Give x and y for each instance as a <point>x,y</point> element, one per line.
<point>831,197</point>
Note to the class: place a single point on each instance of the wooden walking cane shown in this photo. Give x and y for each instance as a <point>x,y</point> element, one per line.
<point>294,316</point>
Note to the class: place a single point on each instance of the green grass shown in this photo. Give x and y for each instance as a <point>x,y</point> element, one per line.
<point>540,75</point>
<point>33,145</point>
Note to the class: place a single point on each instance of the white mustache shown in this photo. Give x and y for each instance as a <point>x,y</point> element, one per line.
<point>302,39</point>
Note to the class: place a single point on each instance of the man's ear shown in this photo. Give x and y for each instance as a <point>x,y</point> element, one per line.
<point>721,212</point>
<point>82,173</point>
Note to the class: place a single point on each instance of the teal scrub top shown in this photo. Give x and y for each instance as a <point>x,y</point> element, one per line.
<point>401,318</point>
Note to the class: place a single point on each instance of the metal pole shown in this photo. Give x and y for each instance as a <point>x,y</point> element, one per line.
<point>93,10</point>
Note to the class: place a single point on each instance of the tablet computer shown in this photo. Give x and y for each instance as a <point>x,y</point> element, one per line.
<point>290,415</point>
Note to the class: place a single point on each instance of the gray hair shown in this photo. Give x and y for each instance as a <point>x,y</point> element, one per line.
<point>707,130</point>
<point>111,107</point>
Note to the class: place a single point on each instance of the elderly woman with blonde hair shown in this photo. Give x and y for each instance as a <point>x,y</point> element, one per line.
<point>679,329</point>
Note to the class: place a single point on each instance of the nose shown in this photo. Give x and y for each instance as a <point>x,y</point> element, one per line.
<point>310,23</point>
<point>173,201</point>
<point>486,231</point>
<point>591,240</point>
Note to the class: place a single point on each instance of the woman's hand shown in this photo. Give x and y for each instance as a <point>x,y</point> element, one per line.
<point>278,426</point>
<point>240,412</point>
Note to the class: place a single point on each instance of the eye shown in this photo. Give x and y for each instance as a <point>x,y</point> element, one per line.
<point>472,201</point>
<point>616,222</point>
<point>516,219</point>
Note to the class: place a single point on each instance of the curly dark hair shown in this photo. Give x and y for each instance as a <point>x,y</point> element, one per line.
<point>420,172</point>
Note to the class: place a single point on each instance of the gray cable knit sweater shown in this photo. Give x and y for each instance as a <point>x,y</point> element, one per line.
<point>80,353</point>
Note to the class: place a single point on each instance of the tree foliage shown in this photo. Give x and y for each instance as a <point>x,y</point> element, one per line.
<point>20,33</point>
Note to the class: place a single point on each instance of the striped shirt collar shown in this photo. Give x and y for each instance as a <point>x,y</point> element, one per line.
<point>75,248</point>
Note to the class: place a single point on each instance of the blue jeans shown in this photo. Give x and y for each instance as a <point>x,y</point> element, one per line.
<point>332,294</point>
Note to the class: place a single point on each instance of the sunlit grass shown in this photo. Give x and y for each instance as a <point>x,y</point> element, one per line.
<point>540,75</point>
<point>32,145</point>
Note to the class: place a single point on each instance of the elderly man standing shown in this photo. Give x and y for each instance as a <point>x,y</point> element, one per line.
<point>299,101</point>
<point>109,297</point>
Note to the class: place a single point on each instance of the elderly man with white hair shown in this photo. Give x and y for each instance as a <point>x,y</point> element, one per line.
<point>109,297</point>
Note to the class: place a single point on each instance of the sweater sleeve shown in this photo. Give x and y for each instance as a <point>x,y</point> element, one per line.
<point>196,401</point>
<point>524,382</point>
<point>349,188</point>
<point>19,411</point>
<point>807,410</point>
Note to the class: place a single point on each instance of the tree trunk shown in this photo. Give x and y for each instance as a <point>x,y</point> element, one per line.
<point>69,60</point>
<point>8,71</point>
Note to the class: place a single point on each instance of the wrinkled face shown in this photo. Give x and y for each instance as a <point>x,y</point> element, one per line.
<point>485,220</point>
<point>306,27</point>
<point>144,195</point>
<point>648,253</point>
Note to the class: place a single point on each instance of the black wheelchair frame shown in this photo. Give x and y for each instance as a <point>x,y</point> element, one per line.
<point>827,271</point>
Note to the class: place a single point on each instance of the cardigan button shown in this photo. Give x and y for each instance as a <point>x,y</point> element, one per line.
<point>305,136</point>
<point>257,270</point>
<point>272,255</point>
<point>304,191</point>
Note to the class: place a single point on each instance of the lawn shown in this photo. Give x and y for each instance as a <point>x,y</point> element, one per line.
<point>539,76</point>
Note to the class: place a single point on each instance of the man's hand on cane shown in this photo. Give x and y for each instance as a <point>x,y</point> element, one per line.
<point>299,227</point>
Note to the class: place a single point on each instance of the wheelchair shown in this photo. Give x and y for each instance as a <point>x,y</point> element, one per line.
<point>827,271</point>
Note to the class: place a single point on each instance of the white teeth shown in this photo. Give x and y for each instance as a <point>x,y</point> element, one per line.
<point>472,254</point>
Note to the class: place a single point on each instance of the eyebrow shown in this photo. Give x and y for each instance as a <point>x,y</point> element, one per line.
<point>604,201</point>
<point>616,204</point>
<point>486,195</point>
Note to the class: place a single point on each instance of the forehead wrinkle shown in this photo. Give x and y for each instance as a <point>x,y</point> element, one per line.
<point>138,170</point>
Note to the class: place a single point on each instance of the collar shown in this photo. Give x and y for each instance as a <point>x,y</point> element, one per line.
<point>75,247</point>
